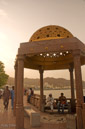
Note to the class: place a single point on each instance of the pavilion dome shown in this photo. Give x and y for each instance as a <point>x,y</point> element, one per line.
<point>50,32</point>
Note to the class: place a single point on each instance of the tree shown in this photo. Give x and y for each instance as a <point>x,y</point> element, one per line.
<point>3,76</point>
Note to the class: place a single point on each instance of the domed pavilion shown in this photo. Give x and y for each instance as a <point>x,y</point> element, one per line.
<point>50,48</point>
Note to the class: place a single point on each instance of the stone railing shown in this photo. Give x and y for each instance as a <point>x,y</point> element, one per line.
<point>35,100</point>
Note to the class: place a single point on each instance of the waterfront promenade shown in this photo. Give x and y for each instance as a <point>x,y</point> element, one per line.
<point>48,121</point>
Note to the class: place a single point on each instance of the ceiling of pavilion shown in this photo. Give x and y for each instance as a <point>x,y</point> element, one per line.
<point>49,61</point>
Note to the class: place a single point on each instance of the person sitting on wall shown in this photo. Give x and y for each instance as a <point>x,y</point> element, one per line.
<point>62,102</point>
<point>50,101</point>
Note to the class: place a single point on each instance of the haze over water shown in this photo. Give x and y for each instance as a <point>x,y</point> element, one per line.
<point>56,93</point>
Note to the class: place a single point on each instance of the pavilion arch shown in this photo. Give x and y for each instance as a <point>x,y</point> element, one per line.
<point>50,48</point>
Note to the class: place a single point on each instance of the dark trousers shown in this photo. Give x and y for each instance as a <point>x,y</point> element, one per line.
<point>6,102</point>
<point>29,96</point>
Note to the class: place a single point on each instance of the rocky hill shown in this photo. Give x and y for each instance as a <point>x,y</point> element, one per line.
<point>49,82</point>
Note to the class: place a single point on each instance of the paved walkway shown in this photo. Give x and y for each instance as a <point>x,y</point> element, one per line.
<point>7,119</point>
<point>48,121</point>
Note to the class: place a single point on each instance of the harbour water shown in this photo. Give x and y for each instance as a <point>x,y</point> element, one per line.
<point>56,93</point>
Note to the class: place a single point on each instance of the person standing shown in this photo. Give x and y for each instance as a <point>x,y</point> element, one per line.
<point>6,96</point>
<point>29,95</point>
<point>12,97</point>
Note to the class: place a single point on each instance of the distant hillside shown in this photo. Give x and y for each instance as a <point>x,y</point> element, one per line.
<point>57,81</point>
<point>49,82</point>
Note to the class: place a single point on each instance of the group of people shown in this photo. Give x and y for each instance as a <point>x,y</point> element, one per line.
<point>60,105</point>
<point>7,94</point>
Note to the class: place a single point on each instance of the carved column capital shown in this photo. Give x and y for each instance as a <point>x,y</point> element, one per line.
<point>41,70</point>
<point>71,69</point>
<point>15,66</point>
<point>76,53</point>
<point>20,57</point>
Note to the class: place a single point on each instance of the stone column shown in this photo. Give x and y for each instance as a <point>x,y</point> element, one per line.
<point>15,88</point>
<point>72,89</point>
<point>19,102</point>
<point>41,90</point>
<point>83,113</point>
<point>79,89</point>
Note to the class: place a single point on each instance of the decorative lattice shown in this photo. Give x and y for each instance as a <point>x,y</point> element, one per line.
<point>50,32</point>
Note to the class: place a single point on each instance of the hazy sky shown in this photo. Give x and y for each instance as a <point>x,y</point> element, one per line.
<point>19,19</point>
